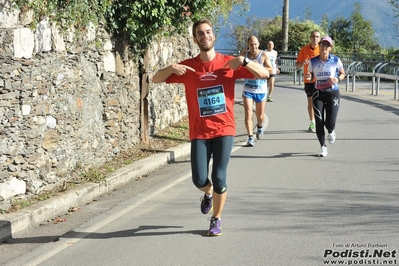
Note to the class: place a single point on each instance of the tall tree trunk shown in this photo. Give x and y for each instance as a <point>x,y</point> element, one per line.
<point>286,19</point>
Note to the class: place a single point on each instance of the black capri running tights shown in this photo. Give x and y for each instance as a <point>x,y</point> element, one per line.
<point>201,152</point>
<point>326,107</point>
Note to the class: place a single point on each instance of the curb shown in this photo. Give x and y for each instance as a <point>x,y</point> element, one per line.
<point>34,215</point>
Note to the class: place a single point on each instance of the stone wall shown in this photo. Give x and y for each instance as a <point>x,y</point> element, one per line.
<point>73,100</point>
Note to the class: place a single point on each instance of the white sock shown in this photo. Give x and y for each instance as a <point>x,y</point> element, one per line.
<point>208,196</point>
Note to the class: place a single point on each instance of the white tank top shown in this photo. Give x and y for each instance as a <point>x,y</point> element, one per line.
<point>273,58</point>
<point>256,85</point>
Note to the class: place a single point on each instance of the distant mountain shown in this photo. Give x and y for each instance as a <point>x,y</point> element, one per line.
<point>379,12</point>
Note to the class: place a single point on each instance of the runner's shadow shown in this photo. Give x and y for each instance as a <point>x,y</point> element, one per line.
<point>278,132</point>
<point>281,155</point>
<point>144,230</point>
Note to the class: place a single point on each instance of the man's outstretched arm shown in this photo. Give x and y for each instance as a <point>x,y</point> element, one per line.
<point>164,73</point>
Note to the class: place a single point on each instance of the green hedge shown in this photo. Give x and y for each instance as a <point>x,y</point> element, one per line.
<point>137,22</point>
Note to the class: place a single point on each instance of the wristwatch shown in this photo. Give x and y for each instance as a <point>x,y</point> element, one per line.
<point>246,61</point>
<point>339,80</point>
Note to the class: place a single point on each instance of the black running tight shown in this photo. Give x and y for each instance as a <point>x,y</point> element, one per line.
<point>325,106</point>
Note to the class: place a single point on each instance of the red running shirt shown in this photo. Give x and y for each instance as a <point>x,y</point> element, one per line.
<point>210,96</point>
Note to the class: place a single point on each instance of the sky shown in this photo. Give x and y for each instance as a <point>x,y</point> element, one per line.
<point>378,11</point>
<point>258,9</point>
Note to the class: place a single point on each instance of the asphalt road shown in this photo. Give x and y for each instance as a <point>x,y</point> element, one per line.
<point>285,205</point>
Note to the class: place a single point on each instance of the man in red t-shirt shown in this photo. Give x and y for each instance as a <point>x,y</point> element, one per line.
<point>209,81</point>
<point>305,54</point>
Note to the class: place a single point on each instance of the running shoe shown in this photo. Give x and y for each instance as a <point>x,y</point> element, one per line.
<point>215,228</point>
<point>206,204</point>
<point>259,133</point>
<point>250,142</point>
<point>312,127</point>
<point>269,99</point>
<point>331,137</point>
<point>323,151</point>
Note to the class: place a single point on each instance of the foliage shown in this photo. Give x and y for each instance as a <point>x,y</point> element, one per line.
<point>93,175</point>
<point>362,32</point>
<point>354,35</point>
<point>395,5</point>
<point>137,22</point>
<point>324,23</point>
<point>308,13</point>
<point>340,31</point>
<point>270,29</point>
<point>70,13</point>
<point>257,28</point>
<point>299,33</point>
<point>18,204</point>
<point>391,51</point>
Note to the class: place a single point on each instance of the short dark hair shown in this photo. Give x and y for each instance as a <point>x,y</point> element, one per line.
<point>314,31</point>
<point>200,22</point>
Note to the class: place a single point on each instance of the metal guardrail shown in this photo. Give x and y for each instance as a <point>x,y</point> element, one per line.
<point>355,71</point>
<point>287,64</point>
<point>375,71</point>
<point>394,77</point>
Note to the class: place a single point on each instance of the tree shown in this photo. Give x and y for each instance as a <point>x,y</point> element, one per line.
<point>362,32</point>
<point>324,23</point>
<point>241,34</point>
<point>340,31</point>
<point>355,35</point>
<point>140,21</point>
<point>270,29</point>
<point>299,33</point>
<point>395,5</point>
<point>286,19</point>
<point>308,13</point>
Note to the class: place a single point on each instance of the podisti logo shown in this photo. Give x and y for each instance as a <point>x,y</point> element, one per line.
<point>365,253</point>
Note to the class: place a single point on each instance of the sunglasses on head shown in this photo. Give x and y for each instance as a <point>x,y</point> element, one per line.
<point>325,44</point>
